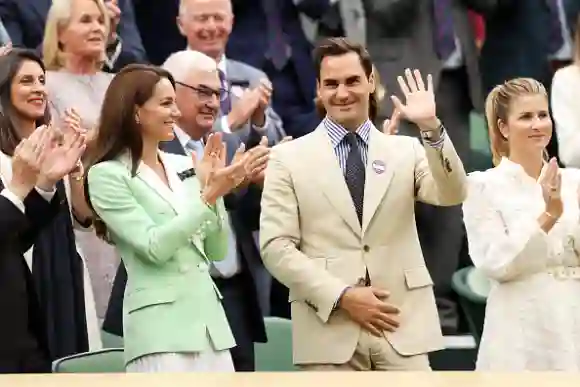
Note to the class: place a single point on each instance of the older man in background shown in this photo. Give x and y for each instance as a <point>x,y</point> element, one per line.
<point>207,24</point>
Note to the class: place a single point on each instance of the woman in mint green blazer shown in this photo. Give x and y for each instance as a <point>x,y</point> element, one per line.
<point>167,222</point>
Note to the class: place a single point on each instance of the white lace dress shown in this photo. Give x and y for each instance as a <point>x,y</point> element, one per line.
<point>533,311</point>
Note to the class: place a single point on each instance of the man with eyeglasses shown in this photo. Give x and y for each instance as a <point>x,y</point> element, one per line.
<point>199,96</point>
<point>237,276</point>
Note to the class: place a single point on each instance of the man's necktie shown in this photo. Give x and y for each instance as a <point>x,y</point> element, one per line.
<point>277,45</point>
<point>225,101</point>
<point>444,33</point>
<point>556,40</point>
<point>355,174</point>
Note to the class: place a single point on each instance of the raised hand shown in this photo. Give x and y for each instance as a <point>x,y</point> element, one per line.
<point>391,126</point>
<point>5,49</point>
<point>420,100</point>
<point>29,156</point>
<point>62,158</point>
<point>258,161</point>
<point>114,13</point>
<point>221,179</point>
<point>551,183</point>
<point>205,166</point>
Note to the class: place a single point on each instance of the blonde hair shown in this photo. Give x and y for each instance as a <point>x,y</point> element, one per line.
<point>497,105</point>
<point>58,18</point>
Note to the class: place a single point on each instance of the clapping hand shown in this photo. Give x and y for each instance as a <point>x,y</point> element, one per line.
<point>29,156</point>
<point>420,100</point>
<point>216,178</point>
<point>391,126</point>
<point>114,13</point>
<point>64,154</point>
<point>551,183</point>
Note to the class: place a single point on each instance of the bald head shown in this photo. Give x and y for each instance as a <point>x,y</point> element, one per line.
<point>186,6</point>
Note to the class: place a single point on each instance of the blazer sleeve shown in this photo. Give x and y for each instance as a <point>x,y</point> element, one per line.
<point>216,242</point>
<point>280,238</point>
<point>12,221</point>
<point>113,201</point>
<point>440,178</point>
<point>502,250</point>
<point>566,117</point>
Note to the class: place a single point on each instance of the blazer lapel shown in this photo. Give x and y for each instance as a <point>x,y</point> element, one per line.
<point>379,174</point>
<point>331,180</point>
<point>149,177</point>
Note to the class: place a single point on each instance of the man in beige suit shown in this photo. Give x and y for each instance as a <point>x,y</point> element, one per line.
<point>361,296</point>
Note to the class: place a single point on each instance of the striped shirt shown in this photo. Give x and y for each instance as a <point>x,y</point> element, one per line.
<point>341,147</point>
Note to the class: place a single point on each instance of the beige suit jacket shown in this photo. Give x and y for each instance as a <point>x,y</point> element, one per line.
<point>312,242</point>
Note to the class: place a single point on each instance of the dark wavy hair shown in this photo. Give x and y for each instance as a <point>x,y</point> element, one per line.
<point>118,131</point>
<point>10,64</point>
<point>340,46</point>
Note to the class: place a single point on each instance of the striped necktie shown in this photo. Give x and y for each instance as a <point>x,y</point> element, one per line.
<point>277,45</point>
<point>443,28</point>
<point>225,101</point>
<point>555,38</point>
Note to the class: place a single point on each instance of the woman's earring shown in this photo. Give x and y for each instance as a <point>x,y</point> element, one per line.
<point>137,120</point>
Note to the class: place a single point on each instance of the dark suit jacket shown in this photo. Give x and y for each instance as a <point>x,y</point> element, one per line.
<point>25,20</point>
<point>294,87</point>
<point>516,42</point>
<point>24,330</point>
<point>244,211</point>
<point>400,36</point>
<point>158,26</point>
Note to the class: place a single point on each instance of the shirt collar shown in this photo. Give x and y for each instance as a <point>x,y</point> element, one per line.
<point>183,137</point>
<point>337,132</point>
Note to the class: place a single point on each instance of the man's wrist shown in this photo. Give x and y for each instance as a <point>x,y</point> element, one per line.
<point>340,297</point>
<point>46,184</point>
<point>432,125</point>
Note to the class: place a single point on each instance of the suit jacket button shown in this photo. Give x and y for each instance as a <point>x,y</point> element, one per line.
<point>366,248</point>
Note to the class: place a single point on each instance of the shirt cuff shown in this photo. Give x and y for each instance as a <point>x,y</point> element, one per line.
<point>225,125</point>
<point>262,129</point>
<point>113,53</point>
<point>437,144</point>
<point>46,195</point>
<point>13,198</point>
<point>335,307</point>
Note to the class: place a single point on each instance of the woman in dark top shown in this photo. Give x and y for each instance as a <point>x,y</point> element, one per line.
<point>44,310</point>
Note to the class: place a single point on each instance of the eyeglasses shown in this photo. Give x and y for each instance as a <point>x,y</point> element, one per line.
<point>206,93</point>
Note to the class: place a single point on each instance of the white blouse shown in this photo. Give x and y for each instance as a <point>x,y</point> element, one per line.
<point>532,317</point>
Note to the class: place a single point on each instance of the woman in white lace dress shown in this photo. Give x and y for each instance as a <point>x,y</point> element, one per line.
<point>522,220</point>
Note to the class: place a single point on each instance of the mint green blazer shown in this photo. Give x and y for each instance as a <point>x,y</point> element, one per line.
<point>166,237</point>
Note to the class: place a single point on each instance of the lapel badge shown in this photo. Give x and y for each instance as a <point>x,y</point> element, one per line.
<point>186,174</point>
<point>379,166</point>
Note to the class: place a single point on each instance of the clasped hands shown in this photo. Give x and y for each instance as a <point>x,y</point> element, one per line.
<point>46,156</point>
<point>551,183</point>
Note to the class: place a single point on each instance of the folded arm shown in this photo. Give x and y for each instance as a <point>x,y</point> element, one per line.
<point>503,250</point>
<point>127,221</point>
<point>279,240</point>
<point>439,174</point>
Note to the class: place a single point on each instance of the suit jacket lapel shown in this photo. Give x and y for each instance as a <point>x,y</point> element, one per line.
<point>379,173</point>
<point>331,180</point>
